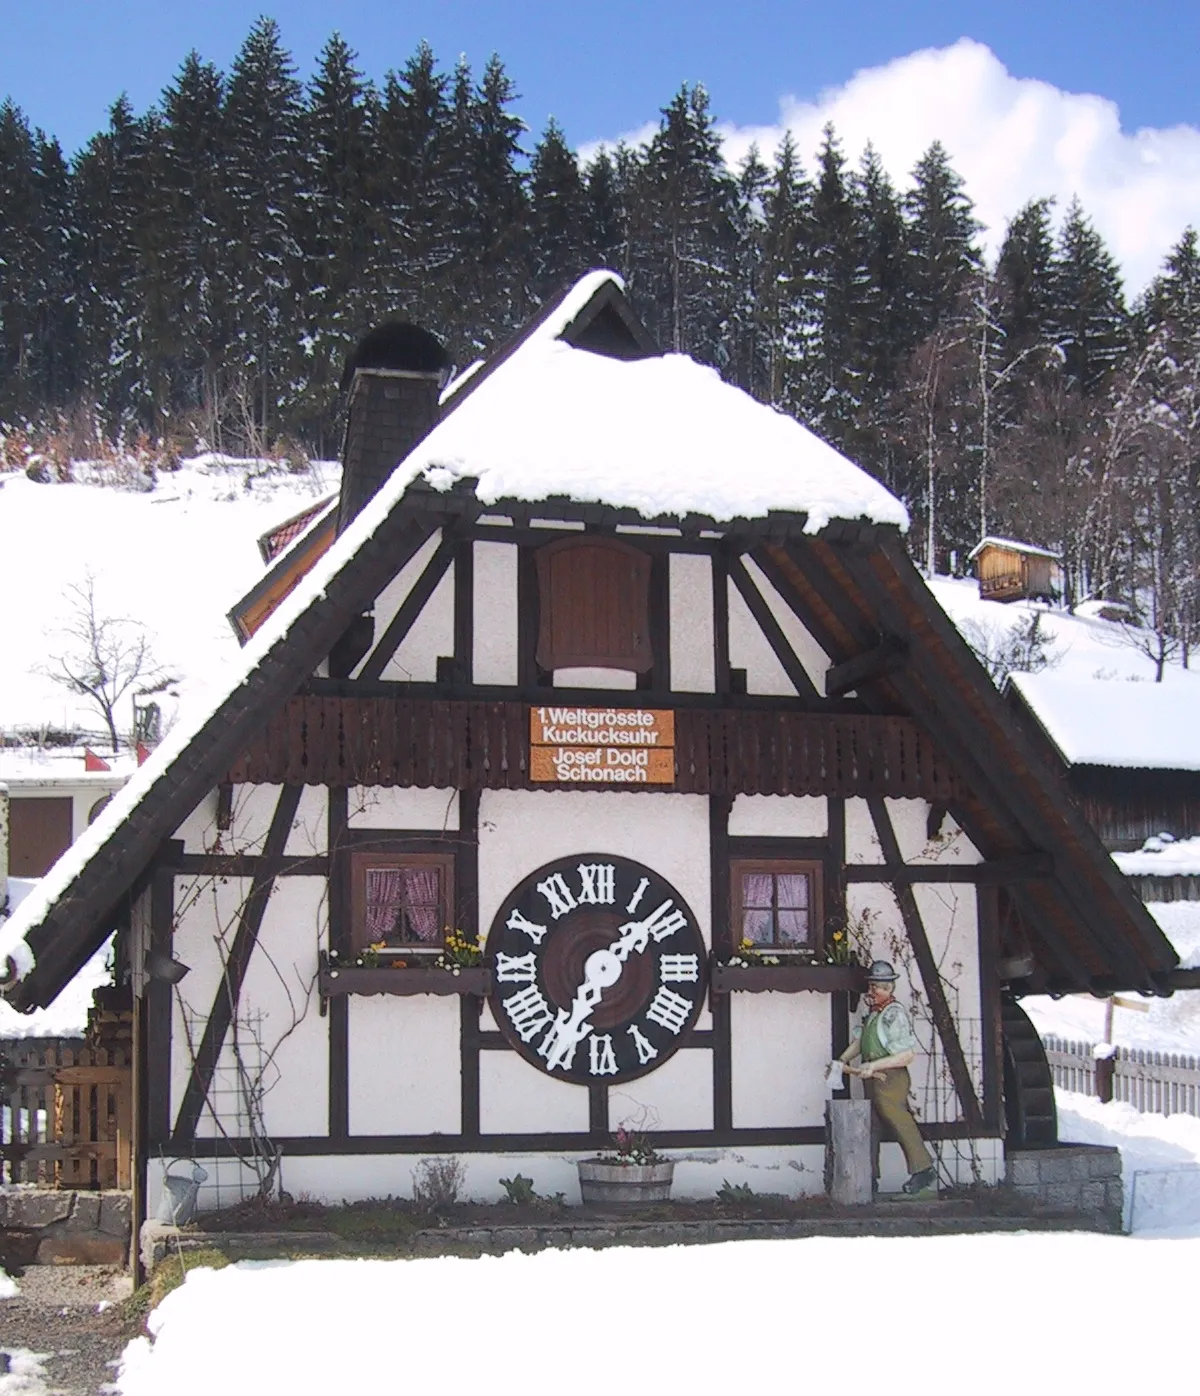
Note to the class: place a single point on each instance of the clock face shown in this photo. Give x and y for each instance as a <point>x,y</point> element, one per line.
<point>598,968</point>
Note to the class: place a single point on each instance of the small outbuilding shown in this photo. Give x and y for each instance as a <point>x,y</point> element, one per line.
<point>1011,571</point>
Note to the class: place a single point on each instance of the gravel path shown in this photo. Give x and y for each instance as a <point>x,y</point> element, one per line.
<point>71,1316</point>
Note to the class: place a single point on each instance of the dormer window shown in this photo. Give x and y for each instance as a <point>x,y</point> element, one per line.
<point>594,596</point>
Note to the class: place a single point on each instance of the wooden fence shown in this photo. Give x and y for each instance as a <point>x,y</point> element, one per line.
<point>66,1114</point>
<point>1156,1083</point>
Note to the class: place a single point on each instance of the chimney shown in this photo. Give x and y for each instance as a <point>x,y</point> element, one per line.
<point>394,377</point>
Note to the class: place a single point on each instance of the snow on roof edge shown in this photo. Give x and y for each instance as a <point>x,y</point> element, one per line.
<point>1014,544</point>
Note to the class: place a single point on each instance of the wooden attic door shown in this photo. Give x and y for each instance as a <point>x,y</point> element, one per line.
<point>594,596</point>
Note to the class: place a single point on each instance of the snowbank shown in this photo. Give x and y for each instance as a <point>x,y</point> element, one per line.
<point>597,1321</point>
<point>8,1286</point>
<point>1161,857</point>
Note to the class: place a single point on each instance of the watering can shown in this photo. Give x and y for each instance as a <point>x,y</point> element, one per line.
<point>177,1204</point>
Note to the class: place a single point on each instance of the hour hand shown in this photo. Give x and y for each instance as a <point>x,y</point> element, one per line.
<point>602,969</point>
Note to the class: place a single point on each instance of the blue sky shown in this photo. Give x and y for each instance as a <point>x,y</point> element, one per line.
<point>604,68</point>
<point>1094,98</point>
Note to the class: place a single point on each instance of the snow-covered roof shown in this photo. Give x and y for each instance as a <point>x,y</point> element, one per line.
<point>1013,545</point>
<point>662,435</point>
<point>1163,856</point>
<point>1098,722</point>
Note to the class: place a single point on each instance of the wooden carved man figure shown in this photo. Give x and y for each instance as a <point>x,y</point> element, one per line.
<point>886,1045</point>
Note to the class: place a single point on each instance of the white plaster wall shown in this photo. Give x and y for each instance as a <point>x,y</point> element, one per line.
<point>910,819</point>
<point>780,1048</point>
<point>810,654</point>
<point>779,816</point>
<point>432,635</point>
<point>517,1098</point>
<point>591,677</point>
<point>310,827</point>
<point>691,623</point>
<point>404,1070</point>
<point>519,830</point>
<point>862,843</point>
<point>401,807</point>
<point>199,829</point>
<point>494,655</point>
<point>279,995</point>
<point>390,599</point>
<point>749,649</point>
<point>676,1096</point>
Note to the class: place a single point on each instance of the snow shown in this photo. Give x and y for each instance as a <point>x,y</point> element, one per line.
<point>26,1374</point>
<point>598,1320</point>
<point>663,435</point>
<point>1162,857</point>
<point>67,1016</point>
<point>1014,544</point>
<point>1150,726</point>
<point>8,1286</point>
<point>1160,1159</point>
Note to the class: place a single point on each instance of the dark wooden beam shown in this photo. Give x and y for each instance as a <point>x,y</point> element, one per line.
<point>234,973</point>
<point>338,1009</point>
<point>719,807</point>
<point>885,658</point>
<point>988,916</point>
<point>943,1019</point>
<point>756,603</point>
<point>158,1017</point>
<point>409,609</point>
<point>720,605</point>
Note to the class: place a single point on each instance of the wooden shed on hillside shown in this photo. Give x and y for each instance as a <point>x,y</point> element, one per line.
<point>1008,570</point>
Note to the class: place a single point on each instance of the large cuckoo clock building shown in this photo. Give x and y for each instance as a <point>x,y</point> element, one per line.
<point>605,671</point>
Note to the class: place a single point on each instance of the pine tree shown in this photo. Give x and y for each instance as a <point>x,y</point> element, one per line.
<point>604,234</point>
<point>22,270</point>
<point>263,172</point>
<point>499,229</point>
<point>1088,319</point>
<point>784,282</point>
<point>942,248</point>
<point>558,213</point>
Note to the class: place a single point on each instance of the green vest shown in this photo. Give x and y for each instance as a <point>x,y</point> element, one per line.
<point>871,1047</point>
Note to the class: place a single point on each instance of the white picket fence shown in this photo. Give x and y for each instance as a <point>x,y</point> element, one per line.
<point>1156,1083</point>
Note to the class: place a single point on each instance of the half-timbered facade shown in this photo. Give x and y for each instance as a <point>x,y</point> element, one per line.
<point>679,742</point>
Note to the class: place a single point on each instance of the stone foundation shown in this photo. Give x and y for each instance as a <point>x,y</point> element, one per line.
<point>1080,1178</point>
<point>41,1227</point>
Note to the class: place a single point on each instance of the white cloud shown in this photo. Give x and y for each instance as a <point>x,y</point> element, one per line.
<point>1012,139</point>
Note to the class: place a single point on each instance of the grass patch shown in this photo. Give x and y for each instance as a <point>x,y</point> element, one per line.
<point>168,1276</point>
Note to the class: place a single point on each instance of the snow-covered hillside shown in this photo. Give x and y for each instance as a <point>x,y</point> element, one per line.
<point>174,557</point>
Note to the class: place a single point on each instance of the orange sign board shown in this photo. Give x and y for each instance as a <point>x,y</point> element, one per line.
<point>602,746</point>
<point>602,765</point>
<point>610,727</point>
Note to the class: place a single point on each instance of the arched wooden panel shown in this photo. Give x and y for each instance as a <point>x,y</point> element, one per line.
<point>594,596</point>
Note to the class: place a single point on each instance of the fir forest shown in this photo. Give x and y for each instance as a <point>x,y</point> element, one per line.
<point>197,274</point>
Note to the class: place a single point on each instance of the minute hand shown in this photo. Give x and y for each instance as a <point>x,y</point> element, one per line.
<point>662,922</point>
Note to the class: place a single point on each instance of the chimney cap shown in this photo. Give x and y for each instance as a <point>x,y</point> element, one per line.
<point>399,346</point>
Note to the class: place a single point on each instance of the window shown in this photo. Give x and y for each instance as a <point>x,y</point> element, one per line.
<point>404,900</point>
<point>777,904</point>
<point>594,603</point>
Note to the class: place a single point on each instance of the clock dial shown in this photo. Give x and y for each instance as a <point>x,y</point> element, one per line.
<point>598,968</point>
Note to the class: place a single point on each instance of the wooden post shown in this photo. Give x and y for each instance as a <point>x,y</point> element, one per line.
<point>849,1134</point>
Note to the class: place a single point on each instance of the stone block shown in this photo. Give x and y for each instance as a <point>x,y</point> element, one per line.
<point>518,1238</point>
<point>594,1236</point>
<point>1093,1196</point>
<point>35,1209</point>
<point>1081,1165</point>
<point>85,1214</point>
<point>63,1247</point>
<point>156,1243</point>
<point>116,1214</point>
<point>1021,1170</point>
<point>1056,1167</point>
<point>1064,1195</point>
<point>1106,1163</point>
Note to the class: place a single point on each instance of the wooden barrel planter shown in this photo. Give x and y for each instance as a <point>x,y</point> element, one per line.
<point>605,1183</point>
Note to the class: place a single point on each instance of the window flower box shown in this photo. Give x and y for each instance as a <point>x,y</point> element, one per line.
<point>788,978</point>
<point>334,980</point>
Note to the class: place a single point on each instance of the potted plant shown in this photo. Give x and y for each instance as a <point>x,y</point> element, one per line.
<point>634,1174</point>
<point>750,970</point>
<point>459,969</point>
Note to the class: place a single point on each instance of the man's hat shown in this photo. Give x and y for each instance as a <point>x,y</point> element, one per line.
<point>881,972</point>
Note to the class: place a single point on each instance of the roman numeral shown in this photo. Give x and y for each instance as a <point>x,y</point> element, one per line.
<point>646,1050</point>
<point>528,1012</point>
<point>677,969</point>
<point>670,1010</point>
<point>638,895</point>
<point>517,922</point>
<point>558,894</point>
<point>597,883</point>
<point>602,1060</point>
<point>516,969</point>
<point>663,922</point>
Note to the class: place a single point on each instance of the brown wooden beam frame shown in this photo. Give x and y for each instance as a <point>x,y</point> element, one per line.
<point>943,1019</point>
<point>1019,868</point>
<point>757,605</point>
<point>237,962</point>
<point>409,609</point>
<point>885,658</point>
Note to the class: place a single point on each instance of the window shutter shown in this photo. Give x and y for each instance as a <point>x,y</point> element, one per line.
<point>594,596</point>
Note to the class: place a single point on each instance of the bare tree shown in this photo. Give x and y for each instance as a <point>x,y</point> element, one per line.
<point>105,656</point>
